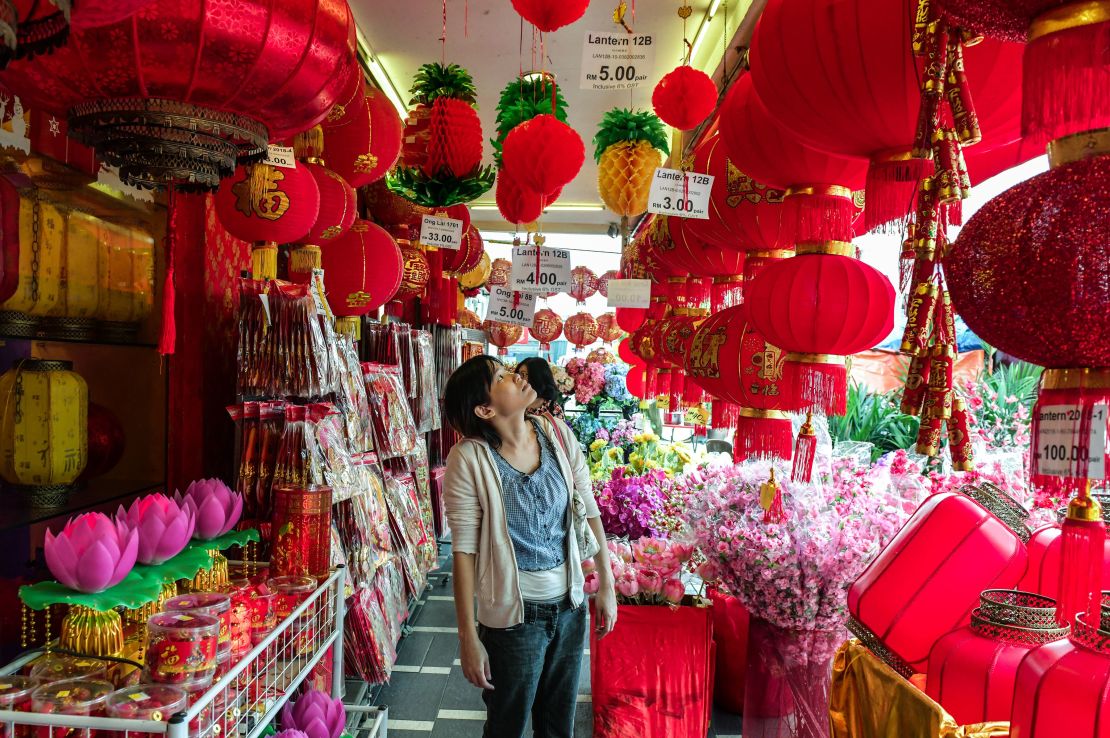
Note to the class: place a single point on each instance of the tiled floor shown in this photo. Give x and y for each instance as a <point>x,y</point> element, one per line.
<point>428,695</point>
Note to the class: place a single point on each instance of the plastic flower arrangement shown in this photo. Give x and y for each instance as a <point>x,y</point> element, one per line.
<point>631,504</point>
<point>646,572</point>
<point>615,386</point>
<point>563,381</point>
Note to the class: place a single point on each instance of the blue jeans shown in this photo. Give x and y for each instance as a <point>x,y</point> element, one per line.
<point>534,668</point>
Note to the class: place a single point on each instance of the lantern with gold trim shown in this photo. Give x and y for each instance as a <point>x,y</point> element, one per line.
<point>547,326</point>
<point>583,283</point>
<point>581,329</point>
<point>362,134</point>
<point>338,206</point>
<point>502,335</point>
<point>607,328</point>
<point>362,271</point>
<point>478,276</point>
<point>415,271</point>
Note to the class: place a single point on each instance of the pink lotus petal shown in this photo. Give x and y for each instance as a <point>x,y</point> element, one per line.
<point>95,568</point>
<point>127,559</point>
<point>61,559</point>
<point>210,518</point>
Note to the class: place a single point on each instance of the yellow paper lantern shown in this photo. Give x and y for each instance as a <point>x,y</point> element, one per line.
<point>477,276</point>
<point>125,271</point>
<point>42,233</point>
<point>43,428</point>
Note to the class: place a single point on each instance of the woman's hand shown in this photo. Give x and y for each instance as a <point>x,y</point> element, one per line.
<point>605,609</point>
<point>475,661</point>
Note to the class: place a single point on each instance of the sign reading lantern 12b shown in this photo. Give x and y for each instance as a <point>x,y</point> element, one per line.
<point>1063,450</point>
<point>685,194</point>
<point>550,275</point>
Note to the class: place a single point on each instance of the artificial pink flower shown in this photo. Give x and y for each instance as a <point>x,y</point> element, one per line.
<point>627,584</point>
<point>91,553</point>
<point>164,527</point>
<point>592,584</point>
<point>650,581</point>
<point>673,590</point>
<point>215,506</point>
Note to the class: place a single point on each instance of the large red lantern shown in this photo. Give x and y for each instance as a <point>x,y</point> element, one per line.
<point>821,306</point>
<point>713,230</point>
<point>502,335</point>
<point>625,353</point>
<point>362,270</point>
<point>583,283</point>
<point>581,329</point>
<point>749,211</point>
<point>517,204</point>
<point>684,97</point>
<point>630,319</point>
<point>543,154</point>
<point>185,107</point>
<point>547,326</point>
<point>551,15</point>
<point>362,135</point>
<point>43,26</point>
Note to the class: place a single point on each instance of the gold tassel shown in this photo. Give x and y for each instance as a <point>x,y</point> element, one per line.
<point>349,325</point>
<point>309,145</point>
<point>304,259</point>
<point>92,632</point>
<point>264,260</point>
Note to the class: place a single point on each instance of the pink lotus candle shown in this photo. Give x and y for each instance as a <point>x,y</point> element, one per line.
<point>181,646</point>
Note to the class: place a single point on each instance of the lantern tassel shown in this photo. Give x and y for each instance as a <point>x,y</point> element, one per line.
<point>805,451</point>
<point>761,434</point>
<point>817,384</point>
<point>264,260</point>
<point>302,261</point>
<point>818,217</point>
<point>1066,80</point>
<point>725,414</point>
<point>168,340</point>
<point>891,187</point>
<point>770,499</point>
<point>1081,560</point>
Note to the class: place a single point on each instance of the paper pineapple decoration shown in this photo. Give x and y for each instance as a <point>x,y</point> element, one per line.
<point>629,146</point>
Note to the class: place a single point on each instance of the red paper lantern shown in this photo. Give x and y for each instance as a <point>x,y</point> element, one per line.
<point>581,329</point>
<point>502,335</point>
<point>467,318</point>
<point>551,15</point>
<point>500,272</point>
<point>748,210</point>
<point>107,441</point>
<point>1045,550</point>
<point>630,319</point>
<point>543,154</point>
<point>603,281</point>
<point>265,203</point>
<point>821,307</point>
<point>467,257</point>
<point>713,230</point>
<point>624,351</point>
<point>819,204</point>
<point>547,326</point>
<point>338,207</point>
<point>362,135</point>
<point>444,135</point>
<point>684,97</point>
<point>90,13</point>
<point>195,101</point>
<point>40,26</point>
<point>362,269</point>
<point>636,379</point>
<point>583,283</point>
<point>607,328</point>
<point>416,272</point>
<point>515,203</point>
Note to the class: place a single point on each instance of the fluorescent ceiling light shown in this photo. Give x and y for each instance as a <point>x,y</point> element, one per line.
<point>698,38</point>
<point>379,76</point>
<point>713,8</point>
<point>554,208</point>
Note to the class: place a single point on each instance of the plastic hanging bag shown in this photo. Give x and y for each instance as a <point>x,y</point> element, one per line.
<point>391,418</point>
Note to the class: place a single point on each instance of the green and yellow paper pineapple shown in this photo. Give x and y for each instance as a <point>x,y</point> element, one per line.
<point>629,147</point>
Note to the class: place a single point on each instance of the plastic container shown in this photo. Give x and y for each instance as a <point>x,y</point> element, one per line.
<point>54,667</point>
<point>972,669</point>
<point>146,702</point>
<point>15,695</point>
<point>927,580</point>
<point>262,614</point>
<point>239,590</point>
<point>181,646</point>
<point>85,697</point>
<point>209,603</point>
<point>289,593</point>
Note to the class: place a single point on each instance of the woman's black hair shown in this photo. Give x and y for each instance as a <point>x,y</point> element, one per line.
<point>467,388</point>
<point>542,380</point>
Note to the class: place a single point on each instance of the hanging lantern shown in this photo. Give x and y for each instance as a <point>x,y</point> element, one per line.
<point>636,380</point>
<point>747,212</point>
<point>44,429</point>
<point>684,97</point>
<point>547,326</point>
<point>415,272</point>
<point>603,281</point>
<point>820,307</point>
<point>581,329</point>
<point>583,283</point>
<point>467,318</point>
<point>500,273</point>
<point>338,206</point>
<point>607,328</point>
<point>630,319</point>
<point>362,135</point>
<point>43,26</point>
<point>467,257</point>
<point>362,272</point>
<point>625,353</point>
<point>543,154</point>
<point>629,147</point>
<point>551,15</point>
<point>107,441</point>
<point>713,230</point>
<point>516,204</point>
<point>502,335</point>
<point>186,107</point>
<point>477,276</point>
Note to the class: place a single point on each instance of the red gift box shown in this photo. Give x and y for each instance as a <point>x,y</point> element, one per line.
<point>651,676</point>
<point>730,633</point>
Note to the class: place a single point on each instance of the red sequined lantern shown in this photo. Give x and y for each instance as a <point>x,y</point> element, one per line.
<point>362,269</point>
<point>583,283</point>
<point>543,154</point>
<point>184,107</point>
<point>415,272</point>
<point>266,203</point>
<point>502,335</point>
<point>607,328</point>
<point>684,97</point>
<point>499,273</point>
<point>547,326</point>
<point>821,306</point>
<point>581,329</point>
<point>362,135</point>
<point>551,15</point>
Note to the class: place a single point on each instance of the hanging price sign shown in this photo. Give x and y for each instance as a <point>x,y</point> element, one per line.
<point>629,293</point>
<point>1062,451</point>
<point>442,233</point>
<point>507,306</point>
<point>616,61</point>
<point>685,194</point>
<point>553,274</point>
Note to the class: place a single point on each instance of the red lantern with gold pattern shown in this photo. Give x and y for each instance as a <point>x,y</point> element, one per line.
<point>467,318</point>
<point>416,272</point>
<point>547,326</point>
<point>362,135</point>
<point>338,207</point>
<point>467,257</point>
<point>502,335</point>
<point>583,283</point>
<point>266,203</point>
<point>607,328</point>
<point>362,270</point>
<point>581,329</point>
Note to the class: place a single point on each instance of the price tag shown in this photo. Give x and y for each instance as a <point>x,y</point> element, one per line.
<point>140,696</point>
<point>507,306</point>
<point>616,61</point>
<point>685,194</point>
<point>318,292</point>
<point>266,309</point>
<point>442,233</point>
<point>553,274</point>
<point>1060,449</point>
<point>280,156</point>
<point>629,293</point>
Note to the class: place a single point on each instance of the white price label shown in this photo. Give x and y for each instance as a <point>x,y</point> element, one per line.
<point>629,293</point>
<point>685,194</point>
<point>280,156</point>
<point>616,61</point>
<point>318,292</point>
<point>1061,451</point>
<point>506,306</point>
<point>553,274</point>
<point>266,309</point>
<point>442,233</point>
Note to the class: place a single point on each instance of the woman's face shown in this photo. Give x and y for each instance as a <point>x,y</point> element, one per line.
<point>509,392</point>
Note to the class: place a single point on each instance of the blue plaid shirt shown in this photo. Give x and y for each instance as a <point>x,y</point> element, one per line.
<point>536,509</point>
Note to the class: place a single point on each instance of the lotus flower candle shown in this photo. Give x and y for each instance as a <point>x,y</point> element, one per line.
<point>91,553</point>
<point>317,714</point>
<point>216,507</point>
<point>291,733</point>
<point>164,526</point>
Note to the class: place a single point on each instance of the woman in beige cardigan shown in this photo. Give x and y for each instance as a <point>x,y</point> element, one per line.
<point>508,492</point>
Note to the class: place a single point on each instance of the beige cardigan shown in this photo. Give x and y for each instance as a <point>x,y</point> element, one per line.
<point>476,515</point>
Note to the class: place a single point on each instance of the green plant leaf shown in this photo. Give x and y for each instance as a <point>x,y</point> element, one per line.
<point>442,80</point>
<point>441,191</point>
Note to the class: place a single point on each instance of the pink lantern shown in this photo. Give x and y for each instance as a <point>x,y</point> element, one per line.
<point>583,283</point>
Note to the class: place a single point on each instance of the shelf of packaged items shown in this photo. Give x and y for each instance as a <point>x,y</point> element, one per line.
<point>246,699</point>
<point>88,495</point>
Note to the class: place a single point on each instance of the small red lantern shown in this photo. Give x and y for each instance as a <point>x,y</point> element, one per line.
<point>547,326</point>
<point>502,335</point>
<point>416,272</point>
<point>338,206</point>
<point>636,379</point>
<point>499,273</point>
<point>543,154</point>
<point>631,319</point>
<point>551,15</point>
<point>362,135</point>
<point>603,281</point>
<point>266,203</point>
<point>684,97</point>
<point>607,328</point>
<point>583,283</point>
<point>821,306</point>
<point>362,270</point>
<point>581,329</point>
<point>624,351</point>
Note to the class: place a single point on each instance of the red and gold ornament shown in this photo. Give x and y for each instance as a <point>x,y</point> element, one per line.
<point>362,271</point>
<point>583,283</point>
<point>502,335</point>
<point>547,326</point>
<point>362,134</point>
<point>581,329</point>
<point>607,328</point>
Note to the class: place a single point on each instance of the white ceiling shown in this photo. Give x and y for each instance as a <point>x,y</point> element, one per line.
<point>403,35</point>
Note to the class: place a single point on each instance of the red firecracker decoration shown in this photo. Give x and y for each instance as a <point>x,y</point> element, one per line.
<point>362,270</point>
<point>362,135</point>
<point>684,97</point>
<point>607,328</point>
<point>583,283</point>
<point>581,329</point>
<point>547,326</point>
<point>551,15</point>
<point>543,154</point>
<point>502,335</point>
<point>499,273</point>
<point>820,307</point>
<point>603,281</point>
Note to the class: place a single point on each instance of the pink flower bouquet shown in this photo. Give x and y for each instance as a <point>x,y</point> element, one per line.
<point>647,572</point>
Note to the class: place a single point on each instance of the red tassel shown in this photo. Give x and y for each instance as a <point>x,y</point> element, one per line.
<point>817,385</point>
<point>891,187</point>
<point>678,382</point>
<point>724,414</point>
<point>805,451</point>
<point>168,340</point>
<point>1066,80</point>
<point>762,433</point>
<point>816,216</point>
<point>1081,561</point>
